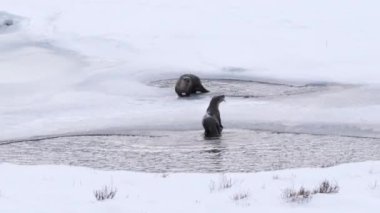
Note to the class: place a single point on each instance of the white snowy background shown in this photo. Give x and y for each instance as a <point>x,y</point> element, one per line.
<point>82,65</point>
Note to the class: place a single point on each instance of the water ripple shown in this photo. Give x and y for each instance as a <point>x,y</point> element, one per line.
<point>188,151</point>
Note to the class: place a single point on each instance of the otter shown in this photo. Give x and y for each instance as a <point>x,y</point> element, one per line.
<point>211,121</point>
<point>188,84</point>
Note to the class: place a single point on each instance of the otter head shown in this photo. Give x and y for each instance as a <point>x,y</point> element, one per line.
<point>185,84</point>
<point>216,100</point>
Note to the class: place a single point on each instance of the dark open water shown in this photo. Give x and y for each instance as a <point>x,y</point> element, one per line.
<point>188,151</point>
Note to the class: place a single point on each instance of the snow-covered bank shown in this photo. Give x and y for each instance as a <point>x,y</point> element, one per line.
<point>322,40</point>
<point>215,34</point>
<point>70,189</point>
<point>80,65</point>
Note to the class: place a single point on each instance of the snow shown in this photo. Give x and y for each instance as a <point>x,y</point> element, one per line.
<point>78,65</point>
<point>70,189</point>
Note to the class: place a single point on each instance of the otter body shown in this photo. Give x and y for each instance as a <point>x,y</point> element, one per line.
<point>211,121</point>
<point>189,84</point>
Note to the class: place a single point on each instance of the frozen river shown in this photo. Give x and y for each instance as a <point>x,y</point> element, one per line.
<point>296,95</point>
<point>170,150</point>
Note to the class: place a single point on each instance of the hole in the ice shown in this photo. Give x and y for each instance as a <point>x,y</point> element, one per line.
<point>9,22</point>
<point>188,151</point>
<point>251,88</point>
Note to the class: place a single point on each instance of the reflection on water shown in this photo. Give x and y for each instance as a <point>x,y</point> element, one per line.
<point>188,151</point>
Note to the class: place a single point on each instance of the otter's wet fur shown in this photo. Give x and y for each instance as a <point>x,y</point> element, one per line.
<point>189,84</point>
<point>211,120</point>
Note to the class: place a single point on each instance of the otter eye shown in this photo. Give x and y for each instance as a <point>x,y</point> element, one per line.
<point>187,80</point>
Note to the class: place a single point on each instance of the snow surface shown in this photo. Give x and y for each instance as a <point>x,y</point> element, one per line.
<point>80,65</point>
<point>70,189</point>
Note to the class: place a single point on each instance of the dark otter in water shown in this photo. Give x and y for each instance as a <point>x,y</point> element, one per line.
<point>188,84</point>
<point>211,121</point>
